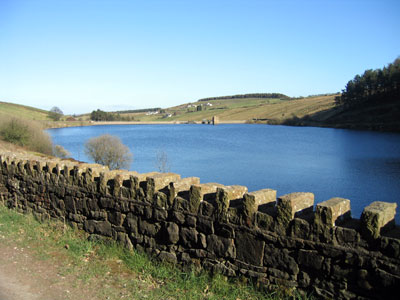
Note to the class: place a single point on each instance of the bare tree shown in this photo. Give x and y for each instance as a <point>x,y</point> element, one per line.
<point>60,151</point>
<point>162,162</point>
<point>108,150</point>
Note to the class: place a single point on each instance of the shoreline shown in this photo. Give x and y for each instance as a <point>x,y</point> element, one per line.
<point>363,127</point>
<point>66,124</point>
<point>163,122</point>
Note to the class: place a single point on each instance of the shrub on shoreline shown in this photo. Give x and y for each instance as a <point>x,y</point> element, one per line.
<point>25,133</point>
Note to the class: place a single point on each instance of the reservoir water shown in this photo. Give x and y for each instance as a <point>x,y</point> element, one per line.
<point>362,166</point>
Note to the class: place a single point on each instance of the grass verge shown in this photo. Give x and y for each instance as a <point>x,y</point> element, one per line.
<point>113,271</point>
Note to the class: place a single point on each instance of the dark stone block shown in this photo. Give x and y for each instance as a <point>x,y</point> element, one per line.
<point>178,217</point>
<point>303,279</point>
<point>122,206</point>
<point>137,209</point>
<point>299,228</point>
<point>280,259</point>
<point>98,227</point>
<point>115,218</point>
<point>131,222</point>
<point>70,204</point>
<point>103,228</point>
<point>161,199</point>
<point>331,251</point>
<point>224,230</point>
<point>310,259</point>
<point>223,269</point>
<point>160,214</point>
<point>278,273</point>
<point>92,204</point>
<point>188,237</point>
<point>386,279</point>
<point>264,221</point>
<point>147,228</point>
<point>150,244</point>
<point>249,249</point>
<point>148,212</point>
<point>205,225</point>
<point>234,215</point>
<point>107,202</point>
<point>99,215</point>
<point>172,233</point>
<point>181,204</point>
<point>390,247</point>
<point>191,221</point>
<point>199,253</point>
<point>347,236</point>
<point>167,257</point>
<point>206,209</point>
<point>202,241</point>
<point>221,247</point>
<point>339,272</point>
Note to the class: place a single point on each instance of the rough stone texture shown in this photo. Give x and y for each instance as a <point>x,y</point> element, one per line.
<point>376,216</point>
<point>222,247</point>
<point>200,192</point>
<point>159,181</point>
<point>172,231</point>
<point>180,186</point>
<point>226,194</point>
<point>249,248</point>
<point>291,204</point>
<point>332,211</point>
<point>253,200</point>
<point>168,257</point>
<point>228,231</point>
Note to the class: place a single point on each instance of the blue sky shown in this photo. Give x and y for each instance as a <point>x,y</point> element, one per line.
<point>82,55</point>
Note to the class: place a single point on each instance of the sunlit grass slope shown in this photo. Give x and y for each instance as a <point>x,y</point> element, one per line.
<point>244,109</point>
<point>23,112</point>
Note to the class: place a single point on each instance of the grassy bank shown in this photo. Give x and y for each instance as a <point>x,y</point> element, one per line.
<point>114,272</point>
<point>240,110</point>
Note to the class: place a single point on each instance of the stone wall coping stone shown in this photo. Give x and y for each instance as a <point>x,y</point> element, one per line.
<point>212,225</point>
<point>333,211</point>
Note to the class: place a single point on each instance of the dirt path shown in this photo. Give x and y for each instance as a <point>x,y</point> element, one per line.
<point>25,277</point>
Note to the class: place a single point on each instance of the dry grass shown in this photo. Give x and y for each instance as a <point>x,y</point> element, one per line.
<point>25,133</point>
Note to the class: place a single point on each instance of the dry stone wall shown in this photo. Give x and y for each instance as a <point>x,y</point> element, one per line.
<point>273,241</point>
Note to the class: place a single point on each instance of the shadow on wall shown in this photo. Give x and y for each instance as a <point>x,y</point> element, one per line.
<point>273,241</point>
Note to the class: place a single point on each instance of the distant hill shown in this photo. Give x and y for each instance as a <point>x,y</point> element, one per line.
<point>246,96</point>
<point>228,109</point>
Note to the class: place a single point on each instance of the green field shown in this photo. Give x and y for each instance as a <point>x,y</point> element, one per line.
<point>103,269</point>
<point>242,110</point>
<point>228,110</point>
<point>23,112</point>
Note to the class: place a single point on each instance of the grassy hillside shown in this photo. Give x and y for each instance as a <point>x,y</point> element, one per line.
<point>29,113</point>
<point>23,112</point>
<point>248,109</point>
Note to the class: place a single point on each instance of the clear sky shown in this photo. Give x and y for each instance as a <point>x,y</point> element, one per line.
<point>81,55</point>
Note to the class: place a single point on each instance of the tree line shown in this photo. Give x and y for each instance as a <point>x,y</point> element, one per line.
<point>143,110</point>
<point>244,96</point>
<point>99,115</point>
<point>380,85</point>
